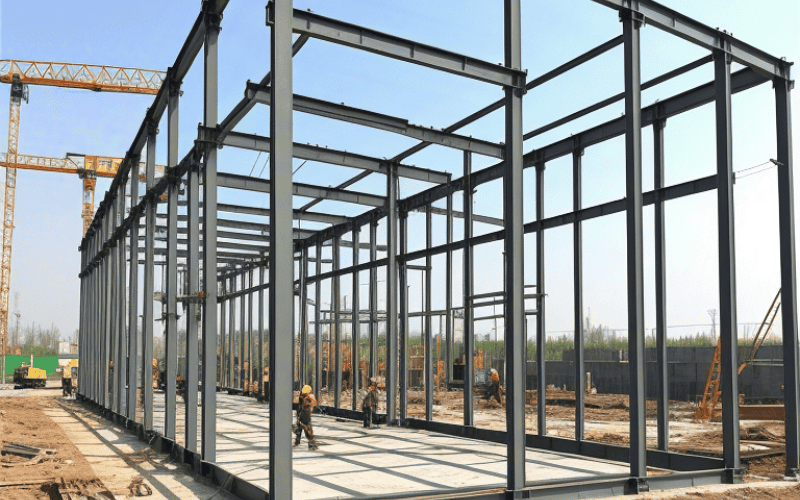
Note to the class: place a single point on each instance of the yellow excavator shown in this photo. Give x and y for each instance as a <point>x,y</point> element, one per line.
<point>27,376</point>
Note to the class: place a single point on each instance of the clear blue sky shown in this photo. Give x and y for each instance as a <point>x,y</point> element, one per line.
<point>149,33</point>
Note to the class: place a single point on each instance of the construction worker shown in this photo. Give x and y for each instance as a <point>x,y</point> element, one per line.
<point>305,405</point>
<point>370,403</point>
<point>494,387</point>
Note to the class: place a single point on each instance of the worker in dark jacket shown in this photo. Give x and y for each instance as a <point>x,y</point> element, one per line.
<point>370,403</point>
<point>494,387</point>
<point>305,405</point>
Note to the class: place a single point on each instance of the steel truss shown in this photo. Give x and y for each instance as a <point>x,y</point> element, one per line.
<point>110,330</point>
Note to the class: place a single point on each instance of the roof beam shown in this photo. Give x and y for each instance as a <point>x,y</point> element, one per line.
<point>263,94</point>
<point>687,28</point>
<point>334,157</point>
<point>351,35</point>
<point>298,215</point>
<point>263,186</point>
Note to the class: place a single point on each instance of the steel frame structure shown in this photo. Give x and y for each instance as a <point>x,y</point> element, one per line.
<point>108,333</point>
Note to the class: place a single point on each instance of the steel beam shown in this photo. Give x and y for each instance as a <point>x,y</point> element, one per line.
<point>281,258</point>
<point>791,395</point>
<point>223,334</point>
<point>729,379</point>
<point>351,35</point>
<point>304,318</point>
<point>317,318</point>
<point>334,157</point>
<point>687,28</point>
<point>577,269</point>
<point>121,317</point>
<point>250,332</point>
<point>448,297</point>
<point>336,338</point>
<point>242,326</point>
<point>297,214</point>
<point>380,121</point>
<point>373,299</point>
<point>468,285</point>
<point>264,186</point>
<point>192,323</point>
<point>172,264</point>
<point>662,372</point>
<point>261,280</point>
<point>635,265</point>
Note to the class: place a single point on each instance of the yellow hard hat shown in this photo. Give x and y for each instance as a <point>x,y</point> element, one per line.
<point>306,389</point>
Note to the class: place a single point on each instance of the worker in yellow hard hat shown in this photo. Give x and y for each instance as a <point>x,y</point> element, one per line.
<point>305,405</point>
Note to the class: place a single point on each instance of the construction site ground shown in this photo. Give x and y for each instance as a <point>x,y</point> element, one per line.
<point>92,455</point>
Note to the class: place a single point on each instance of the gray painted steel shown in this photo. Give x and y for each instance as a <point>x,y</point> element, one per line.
<point>149,285</point>
<point>467,292</point>
<point>662,411</point>
<point>577,269</point>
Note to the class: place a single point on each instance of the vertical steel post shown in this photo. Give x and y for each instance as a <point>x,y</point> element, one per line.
<point>149,281</point>
<point>106,334</point>
<point>577,242</point>
<point>662,376</point>
<point>541,334</point>
<point>356,317</point>
<point>426,309</point>
<point>113,309</point>
<point>373,300</point>
<point>448,297</point>
<point>121,300</point>
<point>192,322</point>
<point>281,257</point>
<point>391,294</point>
<point>81,320</point>
<point>223,334</point>
<point>172,263</point>
<point>337,326</point>
<point>514,256</point>
<point>633,202</point>
<point>317,319</point>
<point>469,338</point>
<point>261,280</point>
<point>133,296</point>
<point>403,330</point>
<point>304,317</point>
<point>242,336</point>
<point>232,335</point>
<point>791,395</point>
<point>250,331</point>
<point>729,379</point>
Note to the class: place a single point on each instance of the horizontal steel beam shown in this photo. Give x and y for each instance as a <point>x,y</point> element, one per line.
<point>334,157</point>
<point>244,182</point>
<point>351,35</point>
<point>687,28</point>
<point>298,215</point>
<point>318,107</point>
<point>485,219</point>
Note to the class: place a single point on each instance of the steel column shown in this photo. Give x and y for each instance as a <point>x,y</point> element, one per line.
<point>448,297</point>
<point>232,371</point>
<point>633,203</point>
<point>304,317</point>
<point>403,331</point>
<point>113,307</point>
<point>662,373</point>
<point>317,319</point>
<point>149,284</point>
<point>514,308</point>
<point>541,337</point>
<point>105,333</point>
<point>729,379</point>
<point>172,264</point>
<point>250,333</point>
<point>468,282</point>
<point>427,328</point>
<point>337,327</point>
<point>192,321</point>
<point>391,295</point>
<point>242,336</point>
<point>281,257</point>
<point>223,333</point>
<point>791,397</point>
<point>373,299</point>
<point>121,318</point>
<point>133,297</point>
<point>356,317</point>
<point>261,278</point>
<point>577,242</point>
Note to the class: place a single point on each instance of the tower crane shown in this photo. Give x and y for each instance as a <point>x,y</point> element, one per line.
<point>99,78</point>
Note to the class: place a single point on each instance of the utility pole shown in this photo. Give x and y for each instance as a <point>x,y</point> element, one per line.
<point>713,314</point>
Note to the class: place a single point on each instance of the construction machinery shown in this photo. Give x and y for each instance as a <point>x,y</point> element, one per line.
<point>707,410</point>
<point>27,376</point>
<point>20,74</point>
<point>69,378</point>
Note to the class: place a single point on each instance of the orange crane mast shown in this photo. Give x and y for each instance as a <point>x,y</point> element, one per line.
<point>20,74</point>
